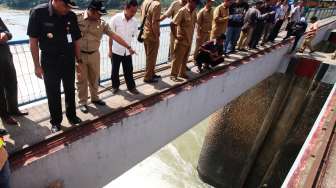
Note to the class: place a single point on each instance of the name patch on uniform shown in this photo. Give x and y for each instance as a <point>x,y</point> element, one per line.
<point>48,24</point>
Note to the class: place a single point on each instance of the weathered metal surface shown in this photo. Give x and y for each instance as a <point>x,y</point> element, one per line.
<point>231,134</point>
<point>306,165</point>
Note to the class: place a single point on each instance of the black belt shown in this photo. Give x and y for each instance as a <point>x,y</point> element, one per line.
<point>56,53</point>
<point>88,52</point>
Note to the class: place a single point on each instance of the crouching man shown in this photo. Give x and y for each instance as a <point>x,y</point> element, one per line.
<point>211,53</point>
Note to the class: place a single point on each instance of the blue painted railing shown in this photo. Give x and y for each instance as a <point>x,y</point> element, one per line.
<point>321,13</point>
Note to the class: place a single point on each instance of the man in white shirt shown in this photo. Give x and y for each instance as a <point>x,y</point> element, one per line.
<point>296,12</point>
<point>125,25</point>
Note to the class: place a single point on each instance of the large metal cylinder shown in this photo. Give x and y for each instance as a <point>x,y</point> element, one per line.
<point>245,139</point>
<point>281,128</point>
<point>231,134</point>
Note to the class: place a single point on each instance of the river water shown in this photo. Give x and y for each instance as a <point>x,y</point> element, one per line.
<point>16,22</point>
<point>173,166</point>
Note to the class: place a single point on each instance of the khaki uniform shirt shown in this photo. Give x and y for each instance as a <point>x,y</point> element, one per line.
<point>173,9</point>
<point>220,20</point>
<point>185,21</point>
<point>152,23</point>
<point>92,32</point>
<point>204,20</point>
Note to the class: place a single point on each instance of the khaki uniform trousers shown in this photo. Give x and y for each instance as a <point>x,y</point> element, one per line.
<point>171,47</point>
<point>203,37</point>
<point>244,38</point>
<point>307,43</point>
<point>180,59</point>
<point>89,77</point>
<point>214,35</point>
<point>151,49</point>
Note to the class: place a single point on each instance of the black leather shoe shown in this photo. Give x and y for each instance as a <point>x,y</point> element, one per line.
<point>19,113</point>
<point>134,91</point>
<point>175,79</point>
<point>208,68</point>
<point>84,108</point>
<point>151,81</point>
<point>10,120</point>
<point>156,76</point>
<point>184,76</point>
<point>115,90</point>
<point>99,102</point>
<point>199,68</point>
<point>3,132</point>
<point>55,128</point>
<point>75,120</point>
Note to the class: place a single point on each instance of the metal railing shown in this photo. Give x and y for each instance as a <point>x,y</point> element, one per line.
<point>139,60</point>
<point>320,13</point>
<point>31,89</point>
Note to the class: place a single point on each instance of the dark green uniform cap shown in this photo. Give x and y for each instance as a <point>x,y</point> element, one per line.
<point>71,4</point>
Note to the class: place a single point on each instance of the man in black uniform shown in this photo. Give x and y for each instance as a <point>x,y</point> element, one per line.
<point>8,81</point>
<point>54,28</point>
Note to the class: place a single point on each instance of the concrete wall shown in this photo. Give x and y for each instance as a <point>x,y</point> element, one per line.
<point>95,160</point>
<point>323,33</point>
